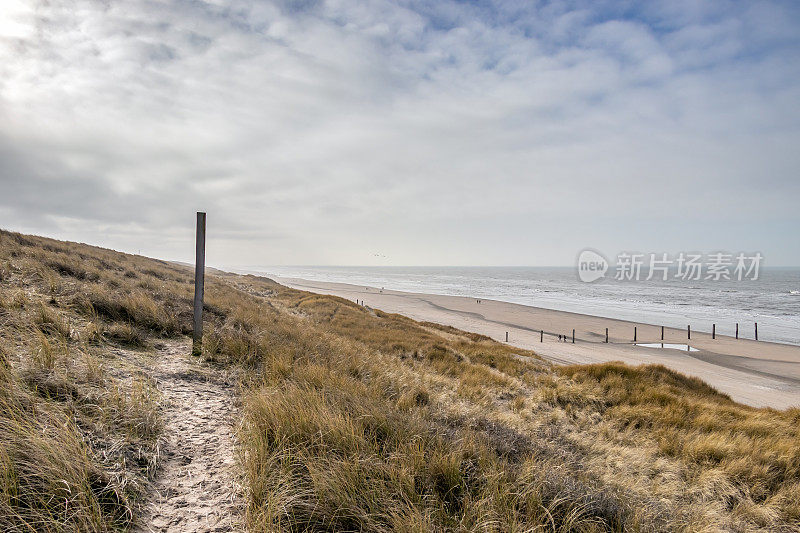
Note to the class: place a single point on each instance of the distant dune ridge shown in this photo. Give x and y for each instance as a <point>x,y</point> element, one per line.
<point>345,417</point>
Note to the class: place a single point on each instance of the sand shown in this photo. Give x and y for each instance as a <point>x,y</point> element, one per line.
<point>757,373</point>
<point>196,487</point>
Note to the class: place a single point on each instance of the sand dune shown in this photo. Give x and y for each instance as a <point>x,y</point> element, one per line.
<point>761,374</point>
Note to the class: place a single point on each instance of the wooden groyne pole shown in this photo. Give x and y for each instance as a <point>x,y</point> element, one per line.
<point>573,336</point>
<point>737,330</point>
<point>662,333</point>
<point>756,323</point>
<point>199,281</point>
<point>713,331</point>
<point>689,332</point>
<point>634,333</point>
<point>606,335</point>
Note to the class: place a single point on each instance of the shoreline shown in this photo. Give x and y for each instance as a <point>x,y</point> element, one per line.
<point>757,373</point>
<point>771,303</point>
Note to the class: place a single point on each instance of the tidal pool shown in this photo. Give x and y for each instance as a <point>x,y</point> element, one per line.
<point>668,346</point>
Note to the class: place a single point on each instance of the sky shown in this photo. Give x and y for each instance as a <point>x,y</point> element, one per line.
<point>403,132</point>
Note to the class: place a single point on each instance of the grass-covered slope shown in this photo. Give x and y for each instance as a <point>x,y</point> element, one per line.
<point>357,420</point>
<point>79,420</point>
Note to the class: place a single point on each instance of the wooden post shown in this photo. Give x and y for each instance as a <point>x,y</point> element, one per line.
<point>573,336</point>
<point>756,330</point>
<point>662,333</point>
<point>506,336</point>
<point>634,333</point>
<point>737,330</point>
<point>541,336</point>
<point>689,332</point>
<point>713,331</point>
<point>199,281</point>
<point>606,335</point>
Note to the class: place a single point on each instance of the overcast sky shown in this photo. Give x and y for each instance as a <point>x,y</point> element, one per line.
<point>403,133</point>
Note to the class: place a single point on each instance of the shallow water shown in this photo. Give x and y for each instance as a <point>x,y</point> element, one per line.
<point>668,346</point>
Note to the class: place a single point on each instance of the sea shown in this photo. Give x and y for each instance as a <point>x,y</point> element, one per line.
<point>773,300</point>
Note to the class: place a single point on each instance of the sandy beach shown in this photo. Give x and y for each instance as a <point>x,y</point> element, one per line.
<point>757,373</point>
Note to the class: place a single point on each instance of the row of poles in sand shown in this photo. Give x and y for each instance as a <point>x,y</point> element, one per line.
<point>635,331</point>
<point>688,333</point>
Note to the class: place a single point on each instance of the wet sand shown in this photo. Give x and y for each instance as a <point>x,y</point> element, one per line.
<point>761,374</point>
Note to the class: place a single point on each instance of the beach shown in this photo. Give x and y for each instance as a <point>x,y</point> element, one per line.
<point>756,373</point>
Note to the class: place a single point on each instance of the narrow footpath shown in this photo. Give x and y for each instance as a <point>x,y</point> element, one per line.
<point>196,488</point>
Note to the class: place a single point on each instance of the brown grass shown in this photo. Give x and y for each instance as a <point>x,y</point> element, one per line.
<point>77,442</point>
<point>358,420</point>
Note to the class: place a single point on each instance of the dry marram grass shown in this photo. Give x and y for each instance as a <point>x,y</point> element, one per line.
<point>353,419</point>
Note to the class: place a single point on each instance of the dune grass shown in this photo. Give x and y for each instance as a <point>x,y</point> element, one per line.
<point>357,420</point>
<point>79,421</point>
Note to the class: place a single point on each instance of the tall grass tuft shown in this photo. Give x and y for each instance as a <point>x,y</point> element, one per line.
<point>48,481</point>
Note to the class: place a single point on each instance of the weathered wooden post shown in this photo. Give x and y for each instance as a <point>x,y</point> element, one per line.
<point>634,333</point>
<point>756,330</point>
<point>199,280</point>
<point>737,330</point>
<point>662,333</point>
<point>573,336</point>
<point>713,331</point>
<point>506,336</point>
<point>541,336</point>
<point>689,332</point>
<point>606,335</point>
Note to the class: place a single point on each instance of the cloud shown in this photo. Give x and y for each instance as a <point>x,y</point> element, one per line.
<point>315,132</point>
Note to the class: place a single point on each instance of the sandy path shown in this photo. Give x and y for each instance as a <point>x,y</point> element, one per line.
<point>196,488</point>
<point>756,373</point>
